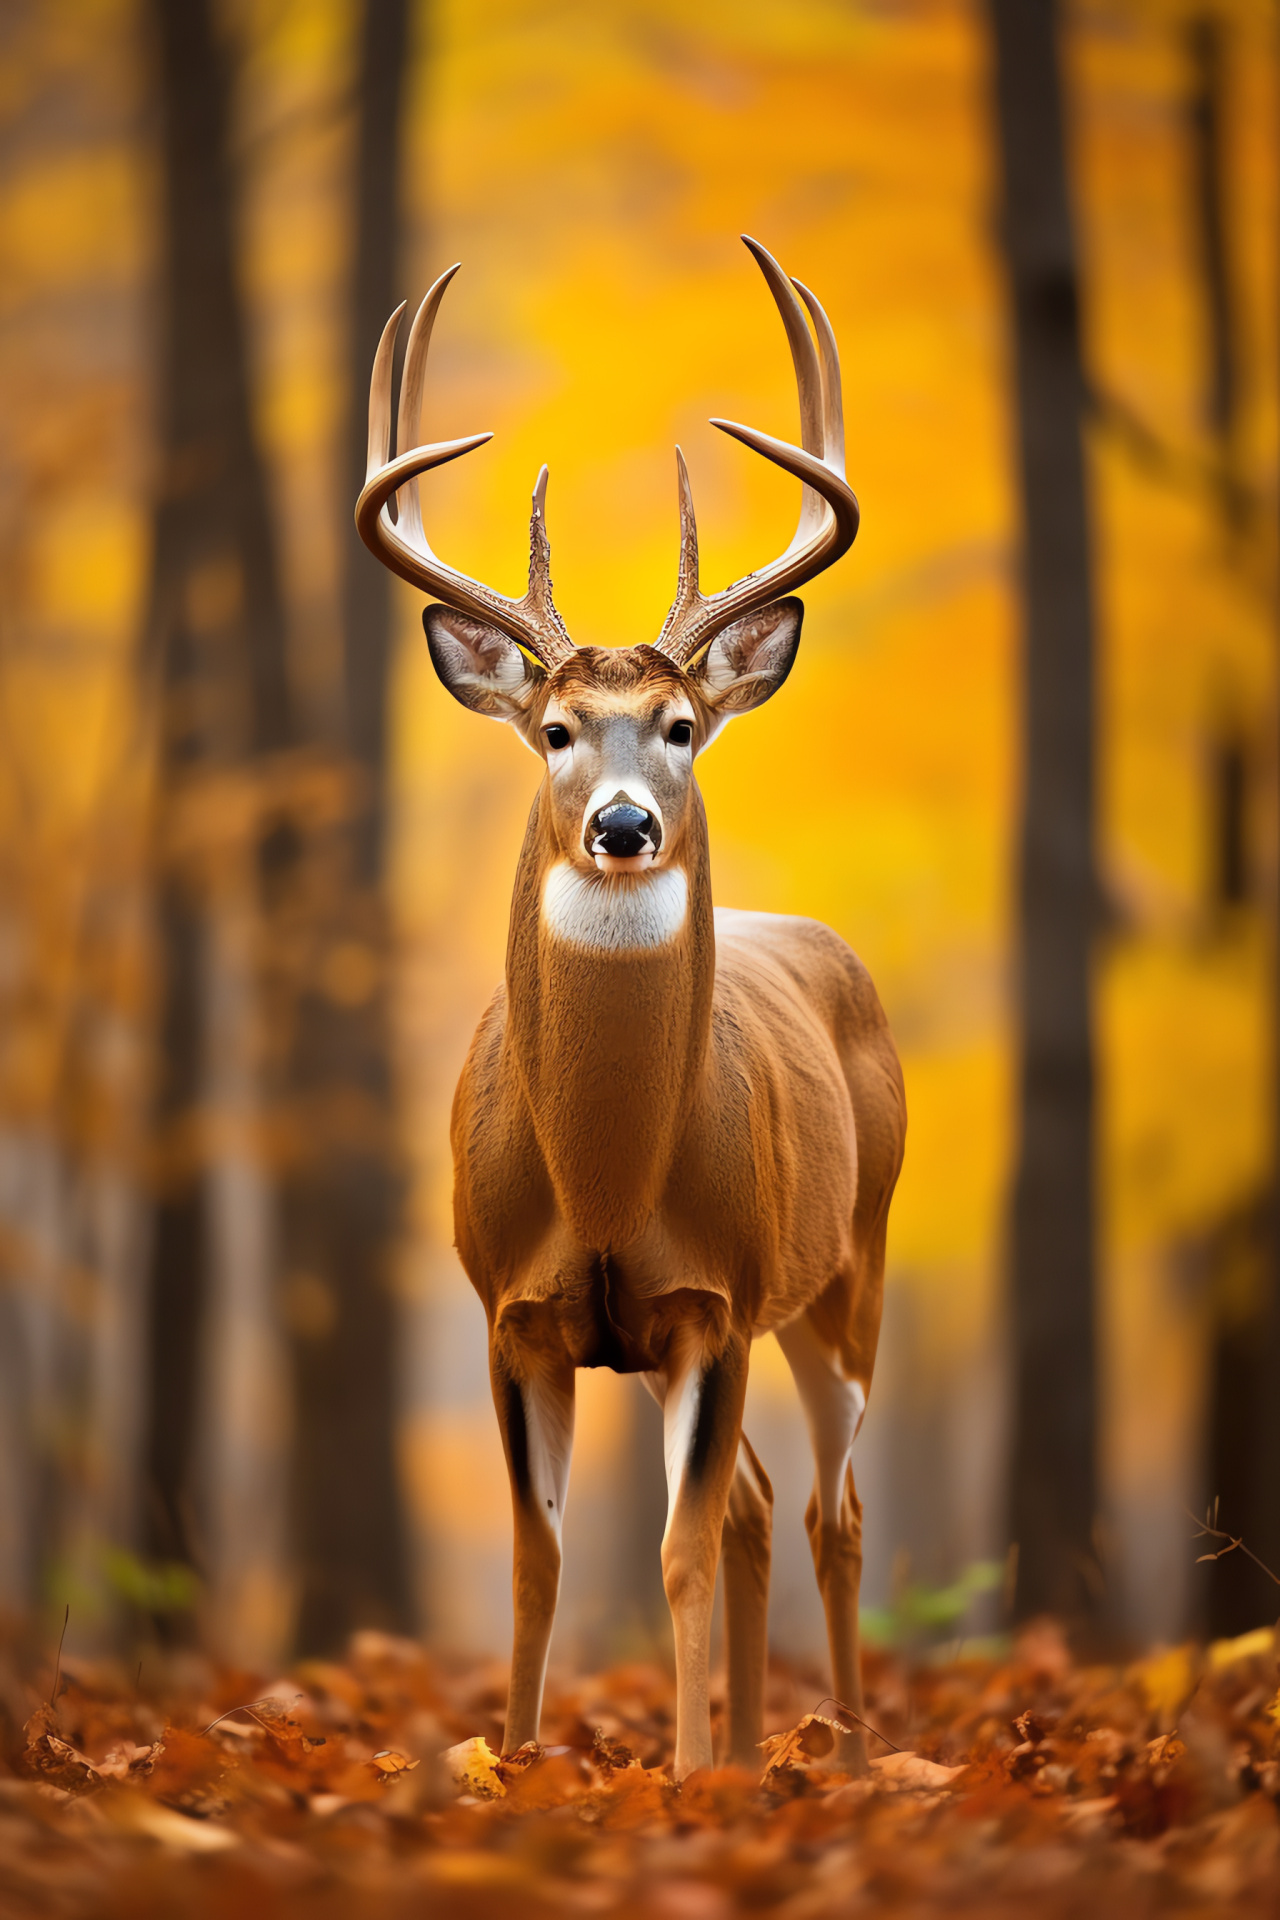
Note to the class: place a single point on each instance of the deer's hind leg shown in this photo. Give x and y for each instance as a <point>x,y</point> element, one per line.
<point>535,1407</point>
<point>833,1407</point>
<point>746,1550</point>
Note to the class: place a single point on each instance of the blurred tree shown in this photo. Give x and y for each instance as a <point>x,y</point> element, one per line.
<point>1241,1385</point>
<point>214,658</point>
<point>345,1203</point>
<point>1054,1470</point>
<point>1268,1514</point>
<point>1206,37</point>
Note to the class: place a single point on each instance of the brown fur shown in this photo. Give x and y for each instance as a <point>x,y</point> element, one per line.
<point>722,1115</point>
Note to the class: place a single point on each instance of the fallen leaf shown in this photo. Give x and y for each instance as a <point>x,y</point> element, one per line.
<point>1085,1814</point>
<point>125,1761</point>
<point>635,1799</point>
<point>1026,1761</point>
<point>277,1717</point>
<point>324,1804</point>
<point>47,1754</point>
<point>611,1756</point>
<point>910,1773</point>
<point>139,1813</point>
<point>474,1768</point>
<point>190,1768</point>
<point>812,1738</point>
<point>551,1781</point>
<point>512,1765</point>
<point>1167,1680</point>
<point>473,1868</point>
<point>1164,1750</point>
<point>1258,1645</point>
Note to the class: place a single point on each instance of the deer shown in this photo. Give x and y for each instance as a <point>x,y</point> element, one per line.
<point>678,1127</point>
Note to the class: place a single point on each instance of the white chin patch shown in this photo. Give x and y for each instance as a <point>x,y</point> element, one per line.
<point>611,863</point>
<point>614,915</point>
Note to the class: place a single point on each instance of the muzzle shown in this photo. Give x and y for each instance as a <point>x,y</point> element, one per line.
<point>622,831</point>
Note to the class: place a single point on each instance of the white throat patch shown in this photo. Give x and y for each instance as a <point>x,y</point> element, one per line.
<point>614,915</point>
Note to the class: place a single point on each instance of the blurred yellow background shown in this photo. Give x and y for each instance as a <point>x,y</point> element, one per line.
<point>592,165</point>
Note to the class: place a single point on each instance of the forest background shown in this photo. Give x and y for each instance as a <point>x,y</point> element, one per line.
<point>256,865</point>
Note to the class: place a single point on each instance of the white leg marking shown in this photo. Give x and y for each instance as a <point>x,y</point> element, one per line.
<point>680,1400</point>
<point>833,1408</point>
<point>614,915</point>
<point>548,1419</point>
<point>656,1385</point>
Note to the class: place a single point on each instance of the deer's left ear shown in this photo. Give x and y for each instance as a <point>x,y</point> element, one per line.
<point>747,663</point>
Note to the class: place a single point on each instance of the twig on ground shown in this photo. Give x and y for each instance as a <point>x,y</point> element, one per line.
<point>831,1701</point>
<point>247,1708</point>
<point>57,1670</point>
<point>1208,1529</point>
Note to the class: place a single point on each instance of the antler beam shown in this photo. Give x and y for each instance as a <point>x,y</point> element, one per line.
<point>532,621</point>
<point>828,523</point>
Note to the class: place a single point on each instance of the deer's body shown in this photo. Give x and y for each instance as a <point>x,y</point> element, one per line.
<point>697,1117</point>
<point>677,1129</point>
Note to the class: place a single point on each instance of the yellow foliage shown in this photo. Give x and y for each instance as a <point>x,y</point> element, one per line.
<point>1167,1680</point>
<point>1258,1645</point>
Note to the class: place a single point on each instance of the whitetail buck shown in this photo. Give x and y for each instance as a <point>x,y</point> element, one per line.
<point>676,1129</point>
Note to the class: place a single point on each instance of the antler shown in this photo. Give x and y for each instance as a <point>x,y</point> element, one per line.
<point>828,523</point>
<point>532,621</point>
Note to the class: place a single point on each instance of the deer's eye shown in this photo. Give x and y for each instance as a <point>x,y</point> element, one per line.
<point>556,736</point>
<point>681,733</point>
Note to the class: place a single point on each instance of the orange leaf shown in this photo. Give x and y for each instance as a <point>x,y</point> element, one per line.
<point>812,1738</point>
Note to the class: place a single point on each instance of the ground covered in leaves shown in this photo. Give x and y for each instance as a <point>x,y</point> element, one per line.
<point>1028,1784</point>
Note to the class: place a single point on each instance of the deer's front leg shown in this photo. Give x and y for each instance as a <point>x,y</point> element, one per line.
<point>702,1419</point>
<point>535,1412</point>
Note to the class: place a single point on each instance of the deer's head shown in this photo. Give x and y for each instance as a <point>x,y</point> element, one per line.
<point>618,728</point>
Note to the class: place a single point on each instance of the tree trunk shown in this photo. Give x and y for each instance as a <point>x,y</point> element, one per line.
<point>346,1204</point>
<point>1237,1593</point>
<point>1205,36</point>
<point>1054,1474</point>
<point>216,659</point>
<point>1268,1518</point>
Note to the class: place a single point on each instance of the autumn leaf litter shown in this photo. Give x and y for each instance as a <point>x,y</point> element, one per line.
<point>376,1785</point>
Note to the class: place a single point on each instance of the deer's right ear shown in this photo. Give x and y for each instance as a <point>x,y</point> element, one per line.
<point>481,666</point>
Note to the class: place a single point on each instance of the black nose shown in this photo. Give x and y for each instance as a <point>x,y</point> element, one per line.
<point>622,830</point>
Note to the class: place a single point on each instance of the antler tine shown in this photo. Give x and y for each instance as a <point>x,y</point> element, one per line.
<point>380,395</point>
<point>829,513</point>
<point>687,593</point>
<point>687,587</point>
<point>804,359</point>
<point>412,382</point>
<point>539,544</point>
<point>538,592</point>
<point>832,392</point>
<point>532,621</point>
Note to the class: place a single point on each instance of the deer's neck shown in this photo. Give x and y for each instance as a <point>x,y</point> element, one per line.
<point>609,1007</point>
